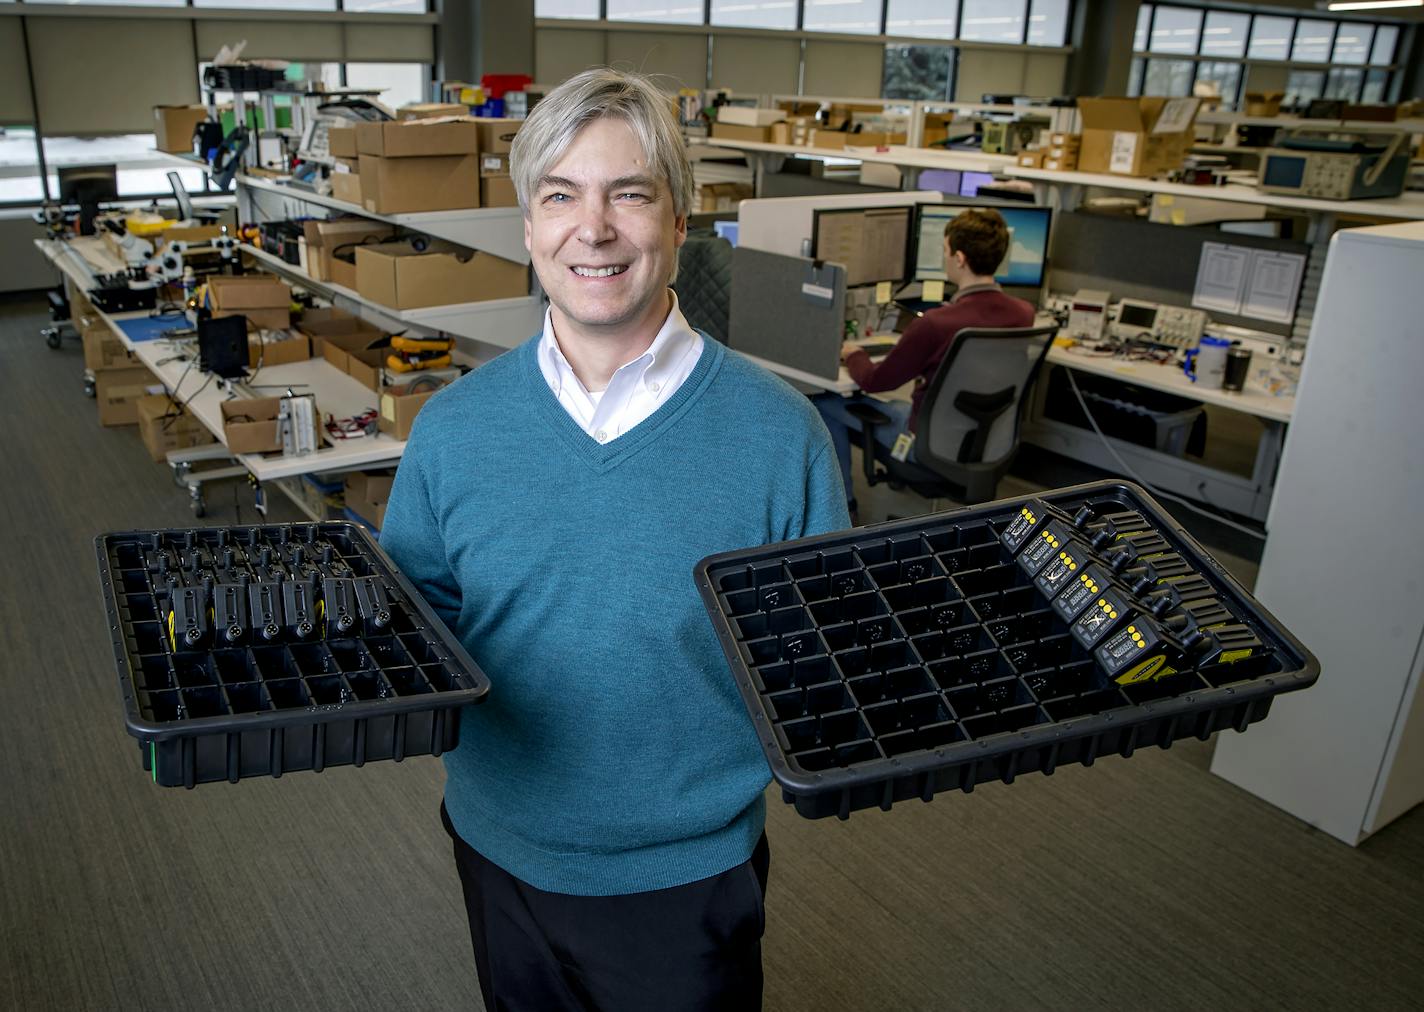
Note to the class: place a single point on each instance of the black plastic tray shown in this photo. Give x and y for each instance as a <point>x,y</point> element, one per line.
<point>369,674</point>
<point>897,661</point>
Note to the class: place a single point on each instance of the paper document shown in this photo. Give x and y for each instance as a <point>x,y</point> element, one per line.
<point>1274,286</point>
<point>1176,115</point>
<point>1221,278</point>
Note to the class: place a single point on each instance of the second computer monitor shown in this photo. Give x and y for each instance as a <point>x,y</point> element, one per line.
<point>870,241</point>
<point>1024,263</point>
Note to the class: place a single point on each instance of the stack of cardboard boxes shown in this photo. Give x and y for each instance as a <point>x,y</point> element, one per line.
<point>120,380</point>
<point>346,164</point>
<point>496,138</point>
<point>845,125</point>
<point>165,426</point>
<point>419,165</point>
<point>1060,154</point>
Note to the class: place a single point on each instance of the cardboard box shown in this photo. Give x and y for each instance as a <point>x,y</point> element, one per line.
<point>368,493</point>
<point>494,165</point>
<point>360,355</point>
<point>1060,164</point>
<point>745,116</point>
<point>498,191</point>
<point>1032,159</point>
<point>936,129</point>
<point>1135,136</point>
<point>723,196</point>
<point>341,142</point>
<point>346,186</point>
<point>398,276</point>
<point>398,185</point>
<point>277,350</point>
<point>266,301</point>
<point>818,137</point>
<point>117,392</point>
<point>496,134</point>
<point>431,110</point>
<point>1058,139</point>
<point>324,238</point>
<point>250,424</point>
<point>1067,153</point>
<point>791,130</point>
<point>874,139</point>
<point>419,138</point>
<point>841,114</point>
<point>320,324</point>
<point>735,132</point>
<point>1264,103</point>
<point>399,408</point>
<point>163,427</point>
<point>102,350</point>
<point>1169,209</point>
<point>191,233</point>
<point>173,126</point>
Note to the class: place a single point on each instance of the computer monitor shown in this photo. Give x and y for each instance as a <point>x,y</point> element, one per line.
<point>88,186</point>
<point>727,230</point>
<point>872,242</point>
<point>946,181</point>
<point>970,182</point>
<point>186,211</point>
<point>1023,266</point>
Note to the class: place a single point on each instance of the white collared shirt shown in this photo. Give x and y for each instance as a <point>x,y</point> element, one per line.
<point>635,391</point>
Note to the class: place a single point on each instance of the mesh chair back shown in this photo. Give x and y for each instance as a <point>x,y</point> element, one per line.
<point>704,283</point>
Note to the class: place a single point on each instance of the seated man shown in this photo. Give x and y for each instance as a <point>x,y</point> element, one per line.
<point>975,242</point>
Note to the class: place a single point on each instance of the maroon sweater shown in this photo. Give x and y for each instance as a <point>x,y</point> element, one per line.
<point>920,350</point>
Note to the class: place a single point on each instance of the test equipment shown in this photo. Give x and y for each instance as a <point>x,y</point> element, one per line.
<point>1171,326</point>
<point>1337,165</point>
<point>1088,314</point>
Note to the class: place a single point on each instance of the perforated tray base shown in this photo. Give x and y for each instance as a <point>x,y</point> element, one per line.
<point>270,702</point>
<point>898,661</point>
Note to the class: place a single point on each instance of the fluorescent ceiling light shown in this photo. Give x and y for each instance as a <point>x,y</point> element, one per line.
<point>1372,5</point>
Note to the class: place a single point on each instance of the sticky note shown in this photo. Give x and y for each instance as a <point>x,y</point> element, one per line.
<point>934,291</point>
<point>882,292</point>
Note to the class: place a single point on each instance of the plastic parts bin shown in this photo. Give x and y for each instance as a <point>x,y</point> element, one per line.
<point>898,661</point>
<point>1151,418</point>
<point>256,651</point>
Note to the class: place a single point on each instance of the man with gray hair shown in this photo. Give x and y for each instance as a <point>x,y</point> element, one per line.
<point>606,803</point>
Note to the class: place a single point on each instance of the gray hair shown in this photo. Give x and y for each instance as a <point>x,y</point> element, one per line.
<point>594,94</point>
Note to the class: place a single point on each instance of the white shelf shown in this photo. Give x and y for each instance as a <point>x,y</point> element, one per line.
<point>495,230</point>
<point>504,323</point>
<point>916,158</point>
<point>1410,126</point>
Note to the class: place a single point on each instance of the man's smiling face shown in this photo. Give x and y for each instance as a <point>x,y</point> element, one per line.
<point>602,233</point>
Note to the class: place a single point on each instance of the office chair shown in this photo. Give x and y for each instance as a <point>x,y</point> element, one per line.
<point>704,283</point>
<point>967,428</point>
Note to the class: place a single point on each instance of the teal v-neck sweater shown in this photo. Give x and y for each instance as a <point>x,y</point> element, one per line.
<point>613,754</point>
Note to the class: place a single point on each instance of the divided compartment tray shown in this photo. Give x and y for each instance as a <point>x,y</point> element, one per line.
<point>385,682</point>
<point>897,661</point>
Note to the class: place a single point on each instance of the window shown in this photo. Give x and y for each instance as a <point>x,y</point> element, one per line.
<point>403,83</point>
<point>1139,37</point>
<point>270,5</point>
<point>1134,78</point>
<point>1352,43</point>
<point>566,9</point>
<point>1304,85</point>
<point>1270,38</point>
<point>1048,23</point>
<point>1175,30</point>
<point>742,14</point>
<point>1168,77</point>
<point>992,21</point>
<point>929,19</point>
<point>1312,41</point>
<point>1225,34</point>
<point>141,172</point>
<point>674,12</point>
<point>1376,85</point>
<point>386,6</point>
<point>918,72</point>
<point>1386,39</point>
<point>19,166</point>
<point>859,16</point>
<point>1344,83</point>
<point>118,3</point>
<point>1226,77</point>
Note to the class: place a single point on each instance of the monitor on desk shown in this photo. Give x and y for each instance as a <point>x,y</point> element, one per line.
<point>970,182</point>
<point>871,242</point>
<point>1024,266</point>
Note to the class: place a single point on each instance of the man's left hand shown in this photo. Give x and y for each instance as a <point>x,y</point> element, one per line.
<point>848,349</point>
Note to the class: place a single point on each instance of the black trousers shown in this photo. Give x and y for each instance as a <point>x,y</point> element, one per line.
<point>696,946</point>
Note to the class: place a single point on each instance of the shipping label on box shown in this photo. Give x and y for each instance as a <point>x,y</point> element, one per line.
<point>494,165</point>
<point>1124,152</point>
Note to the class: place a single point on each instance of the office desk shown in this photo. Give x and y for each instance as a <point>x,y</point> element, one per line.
<point>336,393</point>
<point>911,161</point>
<point>1248,496</point>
